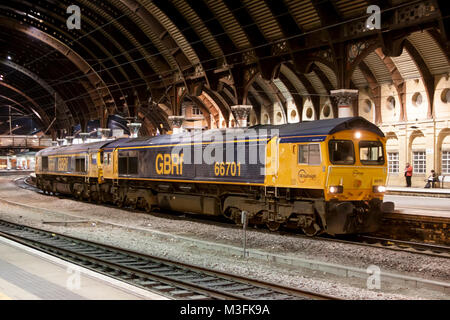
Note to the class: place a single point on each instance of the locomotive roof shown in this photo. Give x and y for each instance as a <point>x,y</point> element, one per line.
<point>319,129</point>
<point>72,149</point>
<point>307,128</point>
<point>323,127</point>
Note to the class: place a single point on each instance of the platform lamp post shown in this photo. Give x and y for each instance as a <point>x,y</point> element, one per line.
<point>241,113</point>
<point>134,129</point>
<point>84,136</point>
<point>177,124</point>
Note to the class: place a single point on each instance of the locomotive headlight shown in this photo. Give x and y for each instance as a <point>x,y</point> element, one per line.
<point>336,189</point>
<point>379,189</point>
<point>357,135</point>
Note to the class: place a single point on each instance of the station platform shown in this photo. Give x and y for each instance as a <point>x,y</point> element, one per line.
<point>28,274</point>
<point>425,192</point>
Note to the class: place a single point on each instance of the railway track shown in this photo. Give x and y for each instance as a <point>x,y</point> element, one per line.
<point>381,240</point>
<point>168,278</point>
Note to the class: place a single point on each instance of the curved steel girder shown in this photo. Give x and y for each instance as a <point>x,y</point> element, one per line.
<point>263,52</point>
<point>397,80</point>
<point>46,86</point>
<point>95,81</point>
<point>37,110</point>
<point>256,106</point>
<point>114,79</point>
<point>16,103</point>
<point>427,77</point>
<point>298,99</point>
<point>221,103</point>
<point>122,34</point>
<point>205,110</point>
<point>368,50</point>
<point>445,48</point>
<point>279,97</point>
<point>375,90</point>
<point>148,126</point>
<point>328,86</point>
<point>207,61</point>
<point>182,61</point>
<point>315,99</point>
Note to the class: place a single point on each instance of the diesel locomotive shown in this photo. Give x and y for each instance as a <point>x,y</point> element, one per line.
<point>325,176</point>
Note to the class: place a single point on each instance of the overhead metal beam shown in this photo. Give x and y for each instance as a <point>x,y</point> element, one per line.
<point>427,77</point>
<point>59,101</point>
<point>397,80</point>
<point>375,90</point>
<point>37,110</point>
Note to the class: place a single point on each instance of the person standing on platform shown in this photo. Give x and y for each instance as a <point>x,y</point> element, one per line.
<point>408,174</point>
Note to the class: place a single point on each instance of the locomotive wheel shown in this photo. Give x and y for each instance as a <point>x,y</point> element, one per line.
<point>273,226</point>
<point>310,231</point>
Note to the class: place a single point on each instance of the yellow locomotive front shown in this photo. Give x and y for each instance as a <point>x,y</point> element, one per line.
<point>355,181</point>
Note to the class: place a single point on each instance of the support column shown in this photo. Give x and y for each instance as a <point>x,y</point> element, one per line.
<point>134,129</point>
<point>84,136</point>
<point>177,124</point>
<point>60,142</point>
<point>241,113</point>
<point>344,98</point>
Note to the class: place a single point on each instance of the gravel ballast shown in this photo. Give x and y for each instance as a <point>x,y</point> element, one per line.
<point>125,234</point>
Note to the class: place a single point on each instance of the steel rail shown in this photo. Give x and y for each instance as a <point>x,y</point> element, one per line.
<point>165,277</point>
<point>365,240</point>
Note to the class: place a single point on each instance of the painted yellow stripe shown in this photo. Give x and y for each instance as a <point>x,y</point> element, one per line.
<point>65,174</point>
<point>192,181</point>
<point>4,297</point>
<point>62,155</point>
<point>191,144</point>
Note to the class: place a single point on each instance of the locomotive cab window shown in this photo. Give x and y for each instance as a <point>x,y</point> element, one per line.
<point>309,154</point>
<point>341,152</point>
<point>371,152</point>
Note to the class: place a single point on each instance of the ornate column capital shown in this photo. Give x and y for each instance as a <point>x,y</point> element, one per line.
<point>70,140</point>
<point>84,136</point>
<point>344,99</point>
<point>241,113</point>
<point>60,142</point>
<point>134,129</point>
<point>177,123</point>
<point>103,133</point>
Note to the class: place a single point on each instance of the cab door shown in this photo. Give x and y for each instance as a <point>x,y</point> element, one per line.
<point>100,164</point>
<point>309,165</point>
